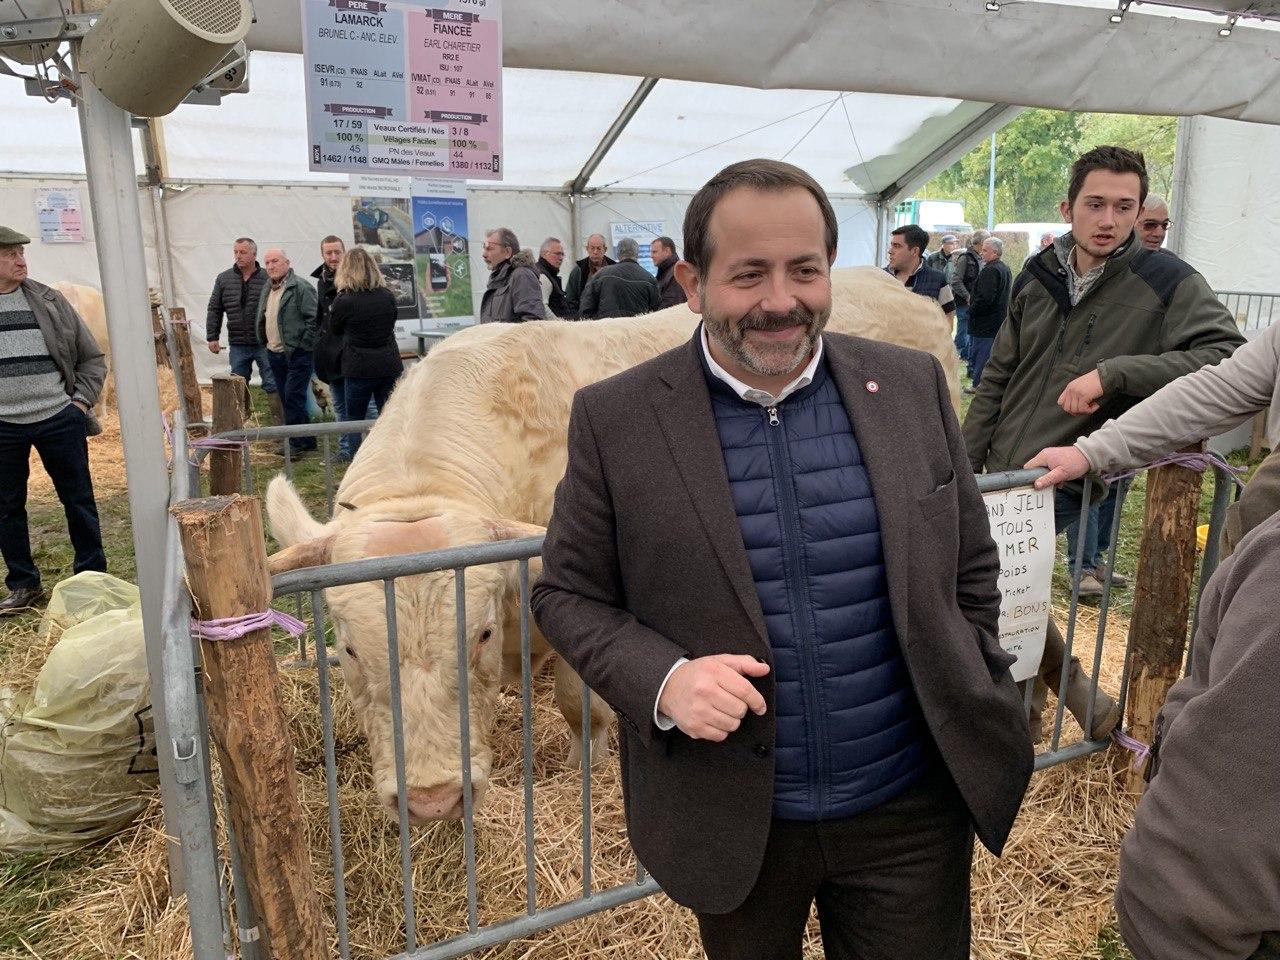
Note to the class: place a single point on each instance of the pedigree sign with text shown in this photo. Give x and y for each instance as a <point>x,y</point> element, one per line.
<point>1022,525</point>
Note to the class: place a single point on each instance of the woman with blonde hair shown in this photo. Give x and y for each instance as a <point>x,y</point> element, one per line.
<point>363,318</point>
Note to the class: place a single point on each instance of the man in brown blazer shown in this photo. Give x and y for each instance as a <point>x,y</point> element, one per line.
<point>769,555</point>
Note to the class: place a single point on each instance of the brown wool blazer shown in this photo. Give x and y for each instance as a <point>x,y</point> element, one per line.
<point>644,563</point>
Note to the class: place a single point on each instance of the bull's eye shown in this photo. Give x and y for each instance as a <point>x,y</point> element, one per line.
<point>351,653</point>
<point>487,635</point>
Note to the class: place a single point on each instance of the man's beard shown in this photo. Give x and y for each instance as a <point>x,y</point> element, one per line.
<point>767,360</point>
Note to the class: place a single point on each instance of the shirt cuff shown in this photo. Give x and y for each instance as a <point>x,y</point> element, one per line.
<point>661,720</point>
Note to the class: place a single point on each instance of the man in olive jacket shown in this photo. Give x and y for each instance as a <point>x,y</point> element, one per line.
<point>1096,323</point>
<point>287,327</point>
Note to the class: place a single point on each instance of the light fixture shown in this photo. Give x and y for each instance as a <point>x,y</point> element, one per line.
<point>993,6</point>
<point>1231,23</point>
<point>1121,11</point>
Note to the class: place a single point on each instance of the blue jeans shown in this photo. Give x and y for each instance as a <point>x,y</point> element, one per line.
<point>244,356</point>
<point>1097,528</point>
<point>64,450</point>
<point>359,391</point>
<point>962,331</point>
<point>292,370</point>
<point>349,441</point>
<point>979,354</point>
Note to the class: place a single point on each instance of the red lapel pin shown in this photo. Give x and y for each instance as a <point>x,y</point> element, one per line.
<point>873,387</point>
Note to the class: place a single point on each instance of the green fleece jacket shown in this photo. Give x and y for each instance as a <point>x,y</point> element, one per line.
<point>1149,319</point>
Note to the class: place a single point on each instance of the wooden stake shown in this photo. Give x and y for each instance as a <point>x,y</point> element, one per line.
<point>1161,597</point>
<point>225,550</point>
<point>192,400</point>
<point>226,466</point>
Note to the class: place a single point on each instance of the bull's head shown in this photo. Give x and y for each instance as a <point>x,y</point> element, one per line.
<point>425,607</point>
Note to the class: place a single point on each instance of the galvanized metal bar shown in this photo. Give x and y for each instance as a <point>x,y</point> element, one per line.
<point>1224,485</point>
<point>397,743</point>
<point>1008,479</point>
<point>586,791</point>
<point>1113,540</point>
<point>464,730</point>
<point>526,729</point>
<point>1076,567</point>
<point>331,777</point>
<point>522,927</point>
<point>247,932</point>
<point>283,431</point>
<point>302,638</point>
<point>404,565</point>
<point>1070,752</point>
<point>1029,695</point>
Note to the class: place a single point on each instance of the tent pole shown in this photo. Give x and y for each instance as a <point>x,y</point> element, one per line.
<point>113,200</point>
<point>575,224</point>
<point>1178,206</point>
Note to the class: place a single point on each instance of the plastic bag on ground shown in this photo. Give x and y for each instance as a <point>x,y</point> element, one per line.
<point>77,753</point>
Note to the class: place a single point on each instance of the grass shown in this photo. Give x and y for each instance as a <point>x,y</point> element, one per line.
<point>1111,946</point>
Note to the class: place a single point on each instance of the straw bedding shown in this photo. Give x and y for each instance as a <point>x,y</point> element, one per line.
<point>1048,897</point>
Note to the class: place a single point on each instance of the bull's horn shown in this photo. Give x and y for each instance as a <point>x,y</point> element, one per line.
<point>502,529</point>
<point>308,553</point>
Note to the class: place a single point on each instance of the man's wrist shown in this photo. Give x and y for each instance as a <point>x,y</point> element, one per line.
<point>660,719</point>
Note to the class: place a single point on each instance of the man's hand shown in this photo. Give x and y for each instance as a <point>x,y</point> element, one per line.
<point>708,697</point>
<point>1064,463</point>
<point>1081,393</point>
<point>213,345</point>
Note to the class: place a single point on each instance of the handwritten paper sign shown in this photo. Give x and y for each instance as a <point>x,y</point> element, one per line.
<point>1022,525</point>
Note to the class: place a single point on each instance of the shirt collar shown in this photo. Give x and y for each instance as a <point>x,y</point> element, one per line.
<point>753,394</point>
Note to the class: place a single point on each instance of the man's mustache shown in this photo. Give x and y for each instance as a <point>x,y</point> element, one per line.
<point>759,320</point>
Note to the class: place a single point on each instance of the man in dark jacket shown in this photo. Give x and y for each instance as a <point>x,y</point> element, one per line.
<point>1096,322</point>
<point>287,328</point>
<point>327,356</point>
<point>584,270</point>
<point>988,305</point>
<point>235,295</point>
<point>665,258</point>
<point>623,290</point>
<point>514,293</point>
<point>940,259</point>
<point>812,707</point>
<point>550,259</point>
<point>51,373</point>
<point>906,264</point>
<point>964,274</point>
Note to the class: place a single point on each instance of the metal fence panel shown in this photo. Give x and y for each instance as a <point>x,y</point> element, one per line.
<point>1252,310</point>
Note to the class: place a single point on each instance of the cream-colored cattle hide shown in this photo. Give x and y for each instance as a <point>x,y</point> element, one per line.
<point>87,301</point>
<point>470,448</point>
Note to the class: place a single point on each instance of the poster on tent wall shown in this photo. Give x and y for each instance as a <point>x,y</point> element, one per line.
<point>1023,528</point>
<point>416,230</point>
<point>409,88</point>
<point>642,232</point>
<point>58,214</point>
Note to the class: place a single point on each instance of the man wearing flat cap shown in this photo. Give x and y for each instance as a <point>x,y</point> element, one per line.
<point>51,372</point>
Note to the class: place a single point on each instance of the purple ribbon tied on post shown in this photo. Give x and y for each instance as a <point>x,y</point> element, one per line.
<point>1139,749</point>
<point>1200,462</point>
<point>233,628</point>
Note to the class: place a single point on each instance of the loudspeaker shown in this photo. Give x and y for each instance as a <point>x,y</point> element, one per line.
<point>146,55</point>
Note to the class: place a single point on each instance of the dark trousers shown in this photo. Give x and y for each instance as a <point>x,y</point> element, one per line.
<point>64,450</point>
<point>979,354</point>
<point>358,391</point>
<point>1097,529</point>
<point>962,331</point>
<point>292,372</point>
<point>890,883</point>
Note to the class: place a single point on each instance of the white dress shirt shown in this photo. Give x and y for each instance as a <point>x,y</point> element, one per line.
<point>751,395</point>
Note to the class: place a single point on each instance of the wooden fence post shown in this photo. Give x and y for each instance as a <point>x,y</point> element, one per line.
<point>1161,597</point>
<point>229,411</point>
<point>226,561</point>
<point>192,400</point>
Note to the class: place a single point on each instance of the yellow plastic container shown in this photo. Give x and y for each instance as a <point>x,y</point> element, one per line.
<point>1202,537</point>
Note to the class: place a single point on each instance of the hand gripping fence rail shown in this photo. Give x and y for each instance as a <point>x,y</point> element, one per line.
<point>208,902</point>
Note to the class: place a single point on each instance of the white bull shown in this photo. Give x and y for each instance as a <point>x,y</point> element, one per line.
<point>470,448</point>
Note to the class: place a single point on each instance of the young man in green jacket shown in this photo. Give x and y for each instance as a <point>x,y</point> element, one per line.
<point>1096,323</point>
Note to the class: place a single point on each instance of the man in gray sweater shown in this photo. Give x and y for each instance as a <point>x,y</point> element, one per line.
<point>1200,870</point>
<point>51,372</point>
<point>1202,404</point>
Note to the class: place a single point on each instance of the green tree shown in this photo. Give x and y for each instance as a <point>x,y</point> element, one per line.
<point>1034,154</point>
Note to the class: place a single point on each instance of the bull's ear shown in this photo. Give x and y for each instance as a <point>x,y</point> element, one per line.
<point>309,553</point>
<point>502,529</point>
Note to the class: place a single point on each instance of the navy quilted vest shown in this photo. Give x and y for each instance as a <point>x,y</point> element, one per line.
<point>926,281</point>
<point>850,734</point>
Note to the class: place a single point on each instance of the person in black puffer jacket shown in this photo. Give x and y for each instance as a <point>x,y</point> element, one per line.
<point>363,315</point>
<point>625,289</point>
